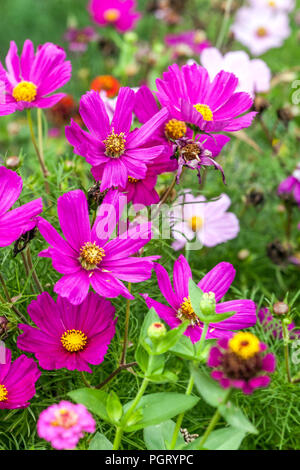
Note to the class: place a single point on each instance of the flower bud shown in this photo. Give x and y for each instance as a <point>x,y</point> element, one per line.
<point>3,325</point>
<point>280,308</point>
<point>12,162</point>
<point>157,331</point>
<point>208,303</point>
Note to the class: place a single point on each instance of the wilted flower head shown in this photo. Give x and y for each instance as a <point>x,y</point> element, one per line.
<point>32,77</point>
<point>291,185</point>
<point>215,283</point>
<point>241,362</point>
<point>15,222</point>
<point>79,38</point>
<point>254,75</point>
<point>207,221</point>
<point>17,381</point>
<point>118,13</point>
<point>63,424</point>
<point>260,29</point>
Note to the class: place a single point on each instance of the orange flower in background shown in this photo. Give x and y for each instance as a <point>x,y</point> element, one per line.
<point>107,83</point>
<point>62,112</point>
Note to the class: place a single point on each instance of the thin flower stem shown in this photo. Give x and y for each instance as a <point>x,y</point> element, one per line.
<point>7,296</point>
<point>127,318</point>
<point>214,420</point>
<point>116,372</point>
<point>289,222</point>
<point>84,380</point>
<point>118,438</point>
<point>223,29</point>
<point>286,337</point>
<point>168,192</point>
<point>33,272</point>
<point>39,155</point>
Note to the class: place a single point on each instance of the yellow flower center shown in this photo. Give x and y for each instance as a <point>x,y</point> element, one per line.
<point>272,3</point>
<point>261,32</point>
<point>132,180</point>
<point>111,15</point>
<point>73,340</point>
<point>91,255</point>
<point>175,129</point>
<point>25,91</point>
<point>186,312</point>
<point>3,393</point>
<point>205,110</point>
<point>195,223</point>
<point>245,345</point>
<point>115,144</point>
<point>65,418</point>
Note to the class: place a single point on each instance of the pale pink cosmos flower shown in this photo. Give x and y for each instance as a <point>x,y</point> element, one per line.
<point>208,222</point>
<point>260,29</point>
<point>254,75</point>
<point>275,5</point>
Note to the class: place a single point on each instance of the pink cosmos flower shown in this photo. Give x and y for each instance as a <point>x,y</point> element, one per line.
<point>261,29</point>
<point>80,38</point>
<point>187,43</point>
<point>63,424</point>
<point>213,106</point>
<point>269,323</point>
<point>70,336</point>
<point>119,13</point>
<point>207,221</point>
<point>13,223</point>
<point>275,5</point>
<point>87,257</point>
<point>217,281</point>
<point>240,362</point>
<point>17,381</point>
<point>142,192</point>
<point>114,152</point>
<point>291,185</point>
<point>254,75</point>
<point>32,77</point>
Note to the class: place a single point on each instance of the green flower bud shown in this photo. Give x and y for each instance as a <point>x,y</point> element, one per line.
<point>208,303</point>
<point>157,331</point>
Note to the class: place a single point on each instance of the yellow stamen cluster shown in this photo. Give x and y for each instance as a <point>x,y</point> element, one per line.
<point>195,223</point>
<point>205,110</point>
<point>91,255</point>
<point>115,144</point>
<point>65,418</point>
<point>132,180</point>
<point>73,340</point>
<point>175,129</point>
<point>261,32</point>
<point>272,3</point>
<point>25,91</point>
<point>244,345</point>
<point>186,312</point>
<point>111,15</point>
<point>3,393</point>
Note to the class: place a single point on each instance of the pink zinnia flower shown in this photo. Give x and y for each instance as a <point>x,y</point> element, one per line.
<point>13,223</point>
<point>260,29</point>
<point>217,281</point>
<point>114,152</point>
<point>80,38</point>
<point>187,43</point>
<point>254,75</point>
<point>207,221</point>
<point>275,5</point>
<point>63,424</point>
<point>87,257</point>
<point>291,185</point>
<point>17,381</point>
<point>119,13</point>
<point>240,362</point>
<point>69,336</point>
<point>213,106</point>
<point>32,77</point>
<point>269,323</point>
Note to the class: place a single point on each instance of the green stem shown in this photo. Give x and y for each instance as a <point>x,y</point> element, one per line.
<point>118,438</point>
<point>223,29</point>
<point>127,318</point>
<point>33,272</point>
<point>85,381</point>
<point>36,147</point>
<point>285,334</point>
<point>7,296</point>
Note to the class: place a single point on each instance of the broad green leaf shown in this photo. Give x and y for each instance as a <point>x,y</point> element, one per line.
<point>100,442</point>
<point>157,437</point>
<point>195,294</point>
<point>208,388</point>
<point>113,407</point>
<point>223,439</point>
<point>235,417</point>
<point>218,317</point>
<point>159,407</point>
<point>165,377</point>
<point>150,318</point>
<point>184,348</point>
<point>94,400</point>
<point>142,357</point>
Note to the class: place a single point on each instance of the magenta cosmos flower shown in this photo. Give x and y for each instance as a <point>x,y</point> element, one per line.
<point>118,13</point>
<point>291,185</point>
<point>87,257</point>
<point>210,106</point>
<point>70,336</point>
<point>32,77</point>
<point>269,323</point>
<point>114,152</point>
<point>240,362</point>
<point>187,43</point>
<point>17,381</point>
<point>13,223</point>
<point>217,281</point>
<point>208,222</point>
<point>63,424</point>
